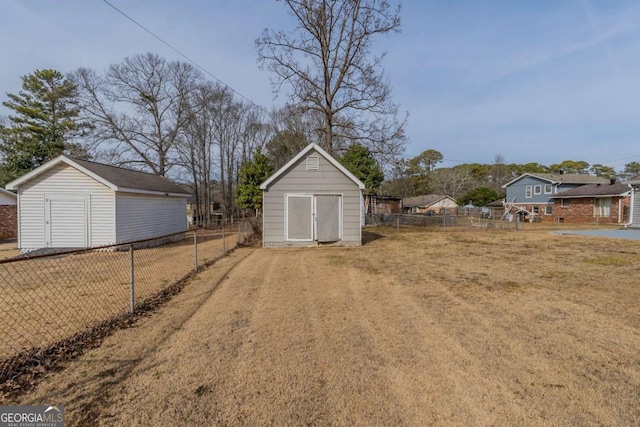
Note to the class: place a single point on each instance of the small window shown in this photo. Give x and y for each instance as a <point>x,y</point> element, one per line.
<point>564,203</point>
<point>548,210</point>
<point>527,192</point>
<point>313,163</point>
<point>535,210</point>
<point>547,189</point>
<point>537,189</point>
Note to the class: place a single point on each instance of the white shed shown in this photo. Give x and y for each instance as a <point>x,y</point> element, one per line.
<point>312,199</point>
<point>634,219</point>
<point>70,203</point>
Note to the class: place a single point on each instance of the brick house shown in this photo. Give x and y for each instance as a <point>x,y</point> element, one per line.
<point>535,192</point>
<point>8,214</point>
<point>601,203</point>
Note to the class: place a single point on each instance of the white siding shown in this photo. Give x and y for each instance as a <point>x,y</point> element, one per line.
<point>145,216</point>
<point>636,208</point>
<point>298,180</point>
<point>59,180</point>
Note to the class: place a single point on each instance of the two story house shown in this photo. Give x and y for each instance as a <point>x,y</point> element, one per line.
<point>534,192</point>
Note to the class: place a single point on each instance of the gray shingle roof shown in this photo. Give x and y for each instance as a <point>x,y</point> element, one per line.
<point>594,190</point>
<point>422,201</point>
<point>570,178</point>
<point>556,178</point>
<point>127,178</point>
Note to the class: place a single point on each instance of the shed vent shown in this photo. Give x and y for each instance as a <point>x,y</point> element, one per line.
<point>313,163</point>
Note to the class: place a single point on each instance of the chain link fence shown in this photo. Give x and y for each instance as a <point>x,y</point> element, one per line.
<point>48,298</point>
<point>454,220</point>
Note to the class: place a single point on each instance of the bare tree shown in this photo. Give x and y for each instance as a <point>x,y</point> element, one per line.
<point>196,146</point>
<point>328,64</point>
<point>138,109</point>
<point>499,173</point>
<point>450,181</point>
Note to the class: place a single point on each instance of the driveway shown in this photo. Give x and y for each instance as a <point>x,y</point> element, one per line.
<point>629,234</point>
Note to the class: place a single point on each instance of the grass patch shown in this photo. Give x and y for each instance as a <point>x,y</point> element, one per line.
<point>609,261</point>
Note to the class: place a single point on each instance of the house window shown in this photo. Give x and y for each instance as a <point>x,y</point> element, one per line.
<point>527,191</point>
<point>313,163</point>
<point>548,210</point>
<point>537,189</point>
<point>564,203</point>
<point>603,207</point>
<point>547,189</point>
<point>535,210</point>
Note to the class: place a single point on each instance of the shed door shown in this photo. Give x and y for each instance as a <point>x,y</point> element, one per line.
<point>328,218</point>
<point>299,217</point>
<point>66,222</point>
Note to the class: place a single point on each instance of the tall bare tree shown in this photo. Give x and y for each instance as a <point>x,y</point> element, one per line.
<point>329,67</point>
<point>138,109</point>
<point>196,146</point>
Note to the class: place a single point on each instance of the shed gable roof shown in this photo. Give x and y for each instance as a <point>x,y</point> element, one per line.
<point>595,190</point>
<point>313,146</point>
<point>556,178</point>
<point>117,179</point>
<point>424,201</point>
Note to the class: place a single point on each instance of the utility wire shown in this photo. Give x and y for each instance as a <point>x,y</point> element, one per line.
<point>161,40</point>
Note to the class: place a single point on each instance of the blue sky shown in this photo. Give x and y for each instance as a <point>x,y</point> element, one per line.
<point>534,81</point>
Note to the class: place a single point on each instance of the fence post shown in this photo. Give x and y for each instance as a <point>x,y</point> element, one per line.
<point>132,282</point>
<point>397,224</point>
<point>195,249</point>
<point>224,242</point>
<point>517,221</point>
<point>238,237</point>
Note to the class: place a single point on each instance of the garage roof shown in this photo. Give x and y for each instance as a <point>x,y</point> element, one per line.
<point>301,154</point>
<point>117,179</point>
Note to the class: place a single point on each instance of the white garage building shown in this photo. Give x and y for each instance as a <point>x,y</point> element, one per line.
<point>70,203</point>
<point>634,220</point>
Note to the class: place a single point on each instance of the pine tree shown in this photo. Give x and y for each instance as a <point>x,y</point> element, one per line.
<point>360,162</point>
<point>252,174</point>
<point>42,126</point>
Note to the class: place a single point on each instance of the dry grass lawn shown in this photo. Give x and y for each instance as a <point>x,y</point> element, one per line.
<point>9,250</point>
<point>416,328</point>
<point>45,300</point>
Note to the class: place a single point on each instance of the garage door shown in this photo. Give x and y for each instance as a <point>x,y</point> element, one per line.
<point>328,218</point>
<point>299,218</point>
<point>66,222</point>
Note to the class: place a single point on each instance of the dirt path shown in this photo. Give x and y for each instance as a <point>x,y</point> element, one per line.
<point>327,336</point>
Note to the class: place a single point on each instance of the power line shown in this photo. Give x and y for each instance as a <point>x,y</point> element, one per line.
<point>161,40</point>
<point>623,158</point>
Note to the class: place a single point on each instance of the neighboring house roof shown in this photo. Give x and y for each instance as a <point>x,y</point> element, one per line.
<point>8,193</point>
<point>424,201</point>
<point>192,200</point>
<point>496,203</point>
<point>556,178</point>
<point>595,190</point>
<point>303,153</point>
<point>394,198</point>
<point>117,179</point>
